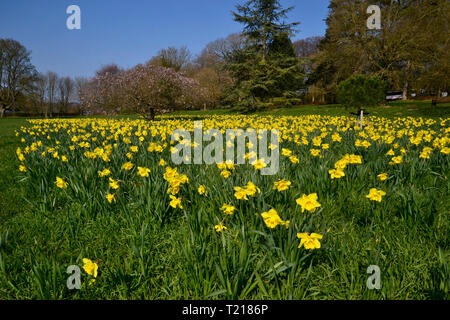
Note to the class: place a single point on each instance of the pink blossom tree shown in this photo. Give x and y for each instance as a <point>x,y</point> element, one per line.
<point>145,89</point>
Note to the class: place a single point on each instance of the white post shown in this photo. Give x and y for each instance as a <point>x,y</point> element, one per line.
<point>361,123</point>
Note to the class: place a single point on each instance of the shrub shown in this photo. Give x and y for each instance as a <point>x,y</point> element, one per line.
<point>361,91</point>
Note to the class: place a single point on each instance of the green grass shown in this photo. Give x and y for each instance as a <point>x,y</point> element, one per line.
<point>393,109</point>
<point>150,252</point>
<point>10,191</point>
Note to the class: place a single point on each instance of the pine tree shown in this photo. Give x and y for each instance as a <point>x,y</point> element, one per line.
<point>267,68</point>
<point>263,20</point>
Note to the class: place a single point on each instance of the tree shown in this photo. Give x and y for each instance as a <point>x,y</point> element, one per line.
<point>80,83</point>
<point>361,91</point>
<point>52,80</point>
<point>214,82</point>
<point>266,69</point>
<point>431,48</point>
<point>149,90</point>
<point>40,94</point>
<point>111,68</point>
<point>172,57</point>
<point>16,73</point>
<point>221,51</point>
<point>144,89</point>
<point>305,48</point>
<point>410,50</point>
<point>66,88</point>
<point>263,20</point>
<point>102,94</point>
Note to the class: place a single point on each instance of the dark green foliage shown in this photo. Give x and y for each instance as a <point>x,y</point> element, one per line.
<point>361,91</point>
<point>263,21</point>
<point>267,68</point>
<point>281,46</point>
<point>259,81</point>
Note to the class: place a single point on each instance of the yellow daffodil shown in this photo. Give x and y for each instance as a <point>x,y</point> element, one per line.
<point>104,173</point>
<point>225,173</point>
<point>220,228</point>
<point>310,242</point>
<point>241,193</point>
<point>143,172</point>
<point>294,159</point>
<point>110,197</point>
<point>90,267</point>
<point>175,202</point>
<point>375,194</point>
<point>272,219</point>
<point>281,185</point>
<point>60,183</point>
<point>127,166</point>
<point>113,184</point>
<point>336,173</point>
<point>201,190</point>
<point>228,209</point>
<point>308,202</point>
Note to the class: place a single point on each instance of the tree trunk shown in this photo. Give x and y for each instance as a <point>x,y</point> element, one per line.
<point>2,112</point>
<point>405,91</point>
<point>151,115</point>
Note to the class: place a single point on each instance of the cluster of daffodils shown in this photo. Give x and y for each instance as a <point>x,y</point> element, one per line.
<point>281,185</point>
<point>340,165</point>
<point>272,219</point>
<point>120,155</point>
<point>308,203</point>
<point>250,190</point>
<point>226,168</point>
<point>229,210</point>
<point>175,180</point>
<point>288,153</point>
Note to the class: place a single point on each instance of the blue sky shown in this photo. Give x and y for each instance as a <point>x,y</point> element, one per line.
<point>129,32</point>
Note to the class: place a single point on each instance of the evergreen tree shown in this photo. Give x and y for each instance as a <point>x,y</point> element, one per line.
<point>267,68</point>
<point>263,20</point>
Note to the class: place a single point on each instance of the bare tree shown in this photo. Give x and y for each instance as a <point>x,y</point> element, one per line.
<point>111,68</point>
<point>52,80</point>
<point>221,50</point>
<point>102,94</point>
<point>16,73</point>
<point>175,58</point>
<point>306,47</point>
<point>80,84</point>
<point>41,85</point>
<point>66,89</point>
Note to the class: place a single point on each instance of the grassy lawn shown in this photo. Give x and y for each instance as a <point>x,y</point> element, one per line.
<point>393,109</point>
<point>11,202</point>
<point>151,251</point>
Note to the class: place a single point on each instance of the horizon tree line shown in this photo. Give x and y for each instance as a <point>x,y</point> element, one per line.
<point>261,66</point>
